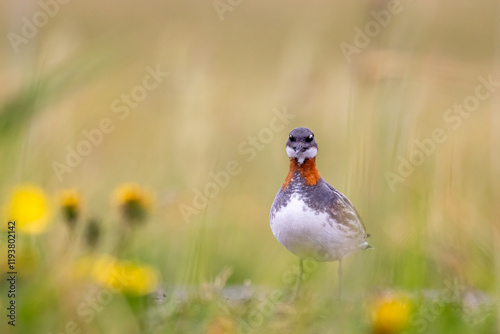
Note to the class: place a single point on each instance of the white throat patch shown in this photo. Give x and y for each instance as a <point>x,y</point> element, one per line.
<point>301,156</point>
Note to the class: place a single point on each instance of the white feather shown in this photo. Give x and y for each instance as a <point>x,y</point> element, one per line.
<point>307,233</point>
<point>301,156</point>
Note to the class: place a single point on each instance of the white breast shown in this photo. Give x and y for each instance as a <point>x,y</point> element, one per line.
<point>307,233</point>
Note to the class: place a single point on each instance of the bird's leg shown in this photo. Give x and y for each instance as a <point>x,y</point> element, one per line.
<point>340,279</point>
<point>299,280</point>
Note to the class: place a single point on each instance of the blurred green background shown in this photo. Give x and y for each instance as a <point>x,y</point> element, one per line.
<point>229,68</point>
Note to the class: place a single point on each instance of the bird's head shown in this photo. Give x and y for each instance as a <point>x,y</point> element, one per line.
<point>301,144</point>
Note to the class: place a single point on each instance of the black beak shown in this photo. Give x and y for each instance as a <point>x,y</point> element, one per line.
<point>299,149</point>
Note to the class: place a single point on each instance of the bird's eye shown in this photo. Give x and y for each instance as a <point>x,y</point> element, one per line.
<point>292,138</point>
<point>309,138</point>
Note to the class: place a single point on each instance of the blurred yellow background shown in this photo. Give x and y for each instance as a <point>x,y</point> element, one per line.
<point>167,94</point>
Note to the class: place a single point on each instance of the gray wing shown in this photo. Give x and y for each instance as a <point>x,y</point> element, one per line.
<point>345,210</point>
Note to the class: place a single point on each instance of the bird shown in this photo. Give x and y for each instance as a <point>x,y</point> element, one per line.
<point>309,217</point>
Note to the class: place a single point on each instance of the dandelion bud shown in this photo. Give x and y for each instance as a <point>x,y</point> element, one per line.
<point>133,201</point>
<point>70,206</point>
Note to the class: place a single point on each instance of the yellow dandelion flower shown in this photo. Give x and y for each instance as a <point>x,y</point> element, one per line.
<point>390,314</point>
<point>28,207</point>
<point>119,276</point>
<point>136,279</point>
<point>102,268</point>
<point>134,201</point>
<point>71,205</point>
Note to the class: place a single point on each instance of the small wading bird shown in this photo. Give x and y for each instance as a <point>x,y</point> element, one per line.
<point>309,217</point>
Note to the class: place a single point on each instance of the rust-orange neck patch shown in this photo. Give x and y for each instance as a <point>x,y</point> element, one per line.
<point>307,170</point>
